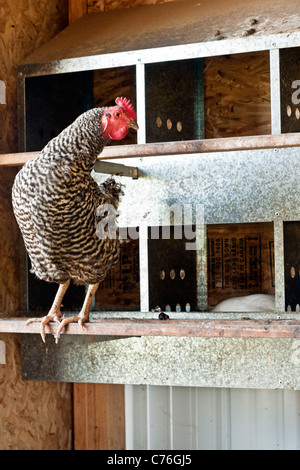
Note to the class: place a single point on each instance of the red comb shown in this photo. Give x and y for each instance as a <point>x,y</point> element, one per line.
<point>127,106</point>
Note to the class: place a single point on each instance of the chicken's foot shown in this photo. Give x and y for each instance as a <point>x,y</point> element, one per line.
<point>84,314</point>
<point>54,313</point>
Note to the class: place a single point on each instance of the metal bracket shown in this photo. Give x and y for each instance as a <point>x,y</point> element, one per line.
<point>2,353</point>
<point>116,169</point>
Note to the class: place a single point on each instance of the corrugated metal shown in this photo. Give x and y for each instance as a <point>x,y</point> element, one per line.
<point>187,418</point>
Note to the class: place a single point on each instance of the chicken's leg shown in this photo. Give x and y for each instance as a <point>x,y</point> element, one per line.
<point>84,313</point>
<point>54,313</point>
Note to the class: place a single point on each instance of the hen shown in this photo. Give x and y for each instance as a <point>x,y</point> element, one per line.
<point>55,202</point>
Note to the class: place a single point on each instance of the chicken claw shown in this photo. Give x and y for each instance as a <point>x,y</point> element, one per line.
<point>44,321</point>
<point>54,314</point>
<point>81,319</point>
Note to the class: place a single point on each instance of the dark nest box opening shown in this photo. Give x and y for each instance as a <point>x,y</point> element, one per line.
<point>174,101</point>
<point>292,265</point>
<point>172,270</point>
<point>290,89</point>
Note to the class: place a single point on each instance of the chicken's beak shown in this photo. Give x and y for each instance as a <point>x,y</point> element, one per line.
<point>133,124</point>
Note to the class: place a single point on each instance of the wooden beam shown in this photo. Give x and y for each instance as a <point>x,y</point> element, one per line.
<point>177,148</point>
<point>16,159</point>
<point>208,328</point>
<point>77,8</point>
<point>99,416</point>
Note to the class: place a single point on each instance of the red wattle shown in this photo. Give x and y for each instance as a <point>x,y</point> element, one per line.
<point>118,133</point>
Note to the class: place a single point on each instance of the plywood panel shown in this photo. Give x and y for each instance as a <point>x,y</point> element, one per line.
<point>108,84</point>
<point>237,95</point>
<point>24,27</point>
<point>33,415</point>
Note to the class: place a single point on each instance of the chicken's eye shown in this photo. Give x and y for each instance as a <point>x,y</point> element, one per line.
<point>117,114</point>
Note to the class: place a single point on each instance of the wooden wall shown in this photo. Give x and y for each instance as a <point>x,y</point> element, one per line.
<point>33,415</point>
<point>77,8</point>
<point>237,95</point>
<point>101,5</point>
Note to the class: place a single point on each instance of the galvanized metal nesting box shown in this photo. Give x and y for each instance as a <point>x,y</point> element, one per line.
<point>220,94</point>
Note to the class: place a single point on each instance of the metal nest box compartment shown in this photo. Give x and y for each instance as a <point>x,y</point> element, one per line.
<point>223,53</point>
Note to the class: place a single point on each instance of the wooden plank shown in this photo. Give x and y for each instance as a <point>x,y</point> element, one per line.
<point>77,8</point>
<point>79,414</point>
<point>177,148</point>
<point>209,328</point>
<point>99,416</point>
<point>16,159</point>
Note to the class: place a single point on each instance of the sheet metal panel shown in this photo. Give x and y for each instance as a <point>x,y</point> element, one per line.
<point>200,362</point>
<point>189,418</point>
<point>233,187</point>
<point>171,24</point>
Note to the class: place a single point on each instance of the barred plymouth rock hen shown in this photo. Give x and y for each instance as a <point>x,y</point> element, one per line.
<point>55,201</point>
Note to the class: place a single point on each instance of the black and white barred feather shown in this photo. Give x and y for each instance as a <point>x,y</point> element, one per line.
<point>55,200</point>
